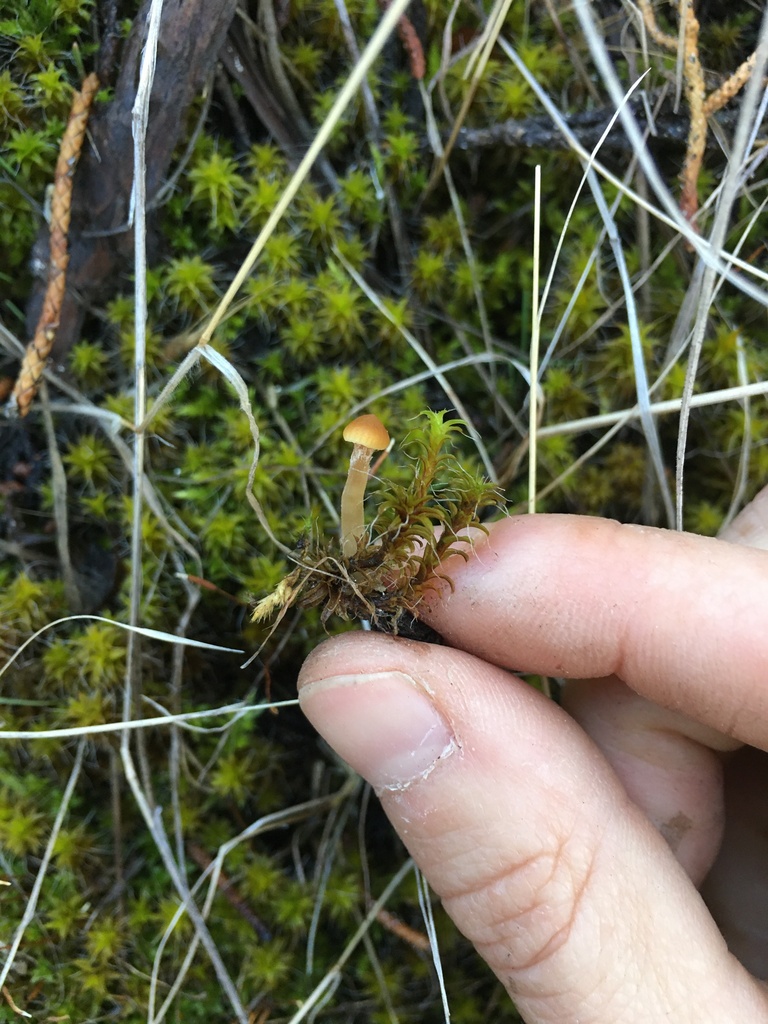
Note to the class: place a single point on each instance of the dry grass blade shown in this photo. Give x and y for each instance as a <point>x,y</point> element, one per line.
<point>475,68</point>
<point>434,139</point>
<point>700,106</point>
<point>358,73</point>
<point>533,420</point>
<point>141,788</point>
<point>668,407</point>
<point>427,359</point>
<point>213,873</point>
<point>233,712</point>
<point>429,920</point>
<point>612,233</point>
<point>31,906</point>
<point>333,975</point>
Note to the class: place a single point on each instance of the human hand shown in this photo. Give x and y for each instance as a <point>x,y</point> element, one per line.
<point>568,852</point>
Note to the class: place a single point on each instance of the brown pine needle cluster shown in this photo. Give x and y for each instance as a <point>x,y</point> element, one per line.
<point>39,348</point>
<point>700,106</point>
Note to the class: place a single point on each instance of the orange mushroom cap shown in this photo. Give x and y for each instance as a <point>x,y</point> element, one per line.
<point>367,430</point>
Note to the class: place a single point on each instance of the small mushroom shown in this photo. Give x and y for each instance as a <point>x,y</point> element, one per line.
<point>367,434</point>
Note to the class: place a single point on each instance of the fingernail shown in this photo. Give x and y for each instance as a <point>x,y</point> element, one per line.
<point>384,725</point>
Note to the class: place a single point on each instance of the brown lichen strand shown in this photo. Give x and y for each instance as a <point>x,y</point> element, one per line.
<point>39,348</point>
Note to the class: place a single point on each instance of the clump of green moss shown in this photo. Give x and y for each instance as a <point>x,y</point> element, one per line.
<point>418,525</point>
<point>311,347</point>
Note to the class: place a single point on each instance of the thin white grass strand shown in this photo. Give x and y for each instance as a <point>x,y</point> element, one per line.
<point>580,461</point>
<point>641,377</point>
<point>433,136</point>
<point>417,378</point>
<point>277,819</point>
<point>742,476</point>
<point>202,934</point>
<point>381,979</point>
<point>615,90</point>
<point>185,366</point>
<point>228,371</point>
<point>480,52</point>
<point>31,907</point>
<point>238,711</point>
<point>333,830</point>
<point>725,262</point>
<point>152,816</point>
<point>642,389</point>
<point>533,410</point>
<point>575,200</point>
<point>151,634</point>
<point>484,47</point>
<point>425,903</point>
<point>426,358</point>
<point>333,975</point>
<point>671,405</point>
<point>139,123</point>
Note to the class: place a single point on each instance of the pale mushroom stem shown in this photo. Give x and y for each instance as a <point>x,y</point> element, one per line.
<point>352,498</point>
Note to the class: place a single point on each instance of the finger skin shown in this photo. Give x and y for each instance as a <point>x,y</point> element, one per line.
<point>665,762</point>
<point>750,527</point>
<point>683,620</point>
<point>736,890</point>
<point>531,842</point>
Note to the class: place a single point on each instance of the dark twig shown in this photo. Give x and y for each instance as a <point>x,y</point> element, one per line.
<point>230,893</point>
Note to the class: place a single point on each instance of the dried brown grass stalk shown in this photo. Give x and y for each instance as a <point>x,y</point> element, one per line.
<point>403,931</point>
<point>39,348</point>
<point>412,46</point>
<point>693,78</point>
<point>725,93</point>
<point>662,38</point>
<point>409,37</point>
<point>700,105</point>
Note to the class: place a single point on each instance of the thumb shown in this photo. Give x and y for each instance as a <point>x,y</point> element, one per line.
<point>522,829</point>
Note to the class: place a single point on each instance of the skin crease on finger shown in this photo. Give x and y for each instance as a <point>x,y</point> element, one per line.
<point>661,756</point>
<point>662,759</point>
<point>736,889</point>
<point>527,836</point>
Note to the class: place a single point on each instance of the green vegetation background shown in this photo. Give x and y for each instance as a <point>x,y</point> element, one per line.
<point>311,347</point>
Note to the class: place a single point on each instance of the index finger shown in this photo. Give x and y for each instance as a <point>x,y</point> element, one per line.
<point>681,619</point>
